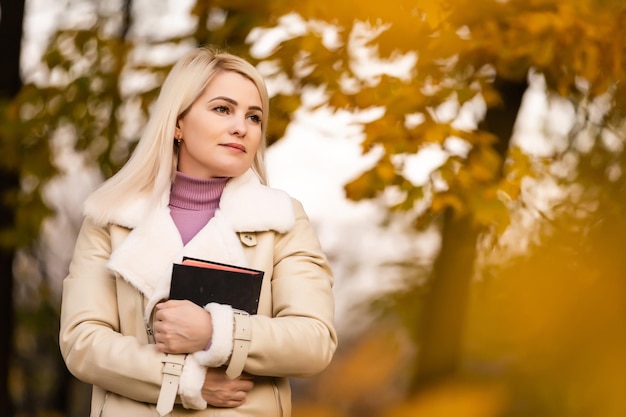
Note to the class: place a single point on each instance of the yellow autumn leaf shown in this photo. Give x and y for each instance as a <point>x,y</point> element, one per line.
<point>539,22</point>
<point>442,201</point>
<point>587,62</point>
<point>437,132</point>
<point>435,12</point>
<point>484,138</point>
<point>490,211</point>
<point>361,187</point>
<point>480,172</point>
<point>491,96</point>
<point>510,187</point>
<point>386,172</point>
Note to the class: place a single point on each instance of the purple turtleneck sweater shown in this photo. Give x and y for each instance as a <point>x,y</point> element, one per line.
<point>193,202</point>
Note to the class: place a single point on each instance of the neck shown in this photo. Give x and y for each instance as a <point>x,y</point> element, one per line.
<point>193,202</point>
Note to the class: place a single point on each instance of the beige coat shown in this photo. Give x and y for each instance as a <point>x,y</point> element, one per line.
<point>121,269</point>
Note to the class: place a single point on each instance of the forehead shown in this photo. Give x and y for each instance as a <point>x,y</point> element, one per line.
<point>233,85</point>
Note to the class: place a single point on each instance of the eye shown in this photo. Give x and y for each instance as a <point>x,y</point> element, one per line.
<point>256,119</point>
<point>221,109</point>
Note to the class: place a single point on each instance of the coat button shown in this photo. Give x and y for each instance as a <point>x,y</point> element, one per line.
<point>248,239</point>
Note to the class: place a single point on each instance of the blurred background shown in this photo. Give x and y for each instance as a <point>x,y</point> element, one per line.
<point>462,161</point>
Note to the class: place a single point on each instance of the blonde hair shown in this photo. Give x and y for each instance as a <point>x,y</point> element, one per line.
<point>152,166</point>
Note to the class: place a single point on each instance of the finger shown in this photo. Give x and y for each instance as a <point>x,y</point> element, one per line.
<point>225,398</point>
<point>236,398</point>
<point>246,385</point>
<point>232,403</point>
<point>238,386</point>
<point>158,315</point>
<point>167,304</point>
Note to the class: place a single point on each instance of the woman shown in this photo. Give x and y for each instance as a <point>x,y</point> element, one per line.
<point>195,187</point>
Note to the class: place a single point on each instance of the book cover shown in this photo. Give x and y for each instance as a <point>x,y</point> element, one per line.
<point>203,282</point>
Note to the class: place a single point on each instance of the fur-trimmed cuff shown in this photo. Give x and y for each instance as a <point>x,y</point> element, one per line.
<point>222,340</point>
<point>190,384</point>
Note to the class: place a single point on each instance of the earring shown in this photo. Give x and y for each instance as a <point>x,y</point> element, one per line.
<point>177,141</point>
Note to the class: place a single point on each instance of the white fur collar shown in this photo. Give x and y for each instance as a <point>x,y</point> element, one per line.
<point>146,255</point>
<point>250,207</point>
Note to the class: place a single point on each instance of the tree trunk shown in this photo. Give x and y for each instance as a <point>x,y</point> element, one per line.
<point>443,317</point>
<point>11,20</point>
<point>445,304</point>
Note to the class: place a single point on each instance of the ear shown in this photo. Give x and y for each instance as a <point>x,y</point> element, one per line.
<point>178,134</point>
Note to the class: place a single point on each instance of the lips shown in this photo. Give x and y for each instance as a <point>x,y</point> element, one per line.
<point>237,146</point>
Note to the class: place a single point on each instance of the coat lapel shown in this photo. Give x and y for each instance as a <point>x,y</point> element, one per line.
<point>145,257</point>
<point>253,207</point>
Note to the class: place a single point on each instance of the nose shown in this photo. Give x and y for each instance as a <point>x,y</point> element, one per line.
<point>239,127</point>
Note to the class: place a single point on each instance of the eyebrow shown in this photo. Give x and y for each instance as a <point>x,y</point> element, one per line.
<point>234,102</point>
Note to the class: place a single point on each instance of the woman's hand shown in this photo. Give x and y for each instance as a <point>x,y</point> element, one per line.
<point>220,391</point>
<point>181,326</point>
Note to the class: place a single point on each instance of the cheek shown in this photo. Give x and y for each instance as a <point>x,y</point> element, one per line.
<point>257,139</point>
<point>257,143</point>
<point>197,125</point>
<point>191,130</point>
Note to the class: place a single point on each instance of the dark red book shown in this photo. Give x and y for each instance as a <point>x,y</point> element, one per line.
<point>204,282</point>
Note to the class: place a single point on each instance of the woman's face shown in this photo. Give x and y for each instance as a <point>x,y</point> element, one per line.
<point>221,132</point>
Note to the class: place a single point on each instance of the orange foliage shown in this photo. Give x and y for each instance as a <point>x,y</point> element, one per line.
<point>454,399</point>
<point>460,45</point>
<point>366,376</point>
